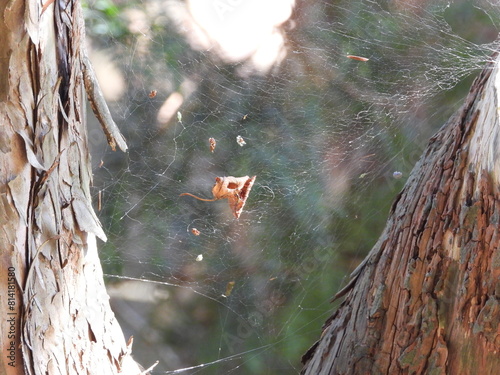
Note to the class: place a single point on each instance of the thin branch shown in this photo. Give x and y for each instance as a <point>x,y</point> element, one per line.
<point>100,108</point>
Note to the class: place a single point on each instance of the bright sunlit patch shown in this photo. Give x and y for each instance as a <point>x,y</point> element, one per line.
<point>240,30</point>
<point>110,77</point>
<point>169,108</point>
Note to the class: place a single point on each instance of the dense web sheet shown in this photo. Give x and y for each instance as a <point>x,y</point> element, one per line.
<point>330,137</point>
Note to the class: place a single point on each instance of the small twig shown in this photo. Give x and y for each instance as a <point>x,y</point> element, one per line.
<point>145,372</point>
<point>99,106</point>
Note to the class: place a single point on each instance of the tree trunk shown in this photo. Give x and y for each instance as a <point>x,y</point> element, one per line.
<point>56,318</point>
<point>426,298</point>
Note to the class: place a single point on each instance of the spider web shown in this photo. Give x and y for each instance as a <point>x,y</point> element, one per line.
<point>331,139</point>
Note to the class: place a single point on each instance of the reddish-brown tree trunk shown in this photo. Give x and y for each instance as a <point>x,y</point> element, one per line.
<point>426,300</point>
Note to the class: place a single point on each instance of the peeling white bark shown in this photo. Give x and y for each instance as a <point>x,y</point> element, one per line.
<point>485,141</point>
<point>63,321</point>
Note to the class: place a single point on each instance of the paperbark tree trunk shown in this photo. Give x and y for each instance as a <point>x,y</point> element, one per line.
<point>426,299</point>
<point>55,314</point>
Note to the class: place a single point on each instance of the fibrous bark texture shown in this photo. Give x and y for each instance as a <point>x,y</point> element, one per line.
<point>426,300</point>
<point>58,306</point>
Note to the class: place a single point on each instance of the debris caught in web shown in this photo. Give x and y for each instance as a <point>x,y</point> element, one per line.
<point>358,58</point>
<point>229,289</point>
<point>212,143</point>
<point>240,141</point>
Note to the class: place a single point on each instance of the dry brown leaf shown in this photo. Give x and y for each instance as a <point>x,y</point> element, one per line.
<point>234,189</point>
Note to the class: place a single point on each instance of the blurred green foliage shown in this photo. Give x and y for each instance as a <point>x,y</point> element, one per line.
<point>103,19</point>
